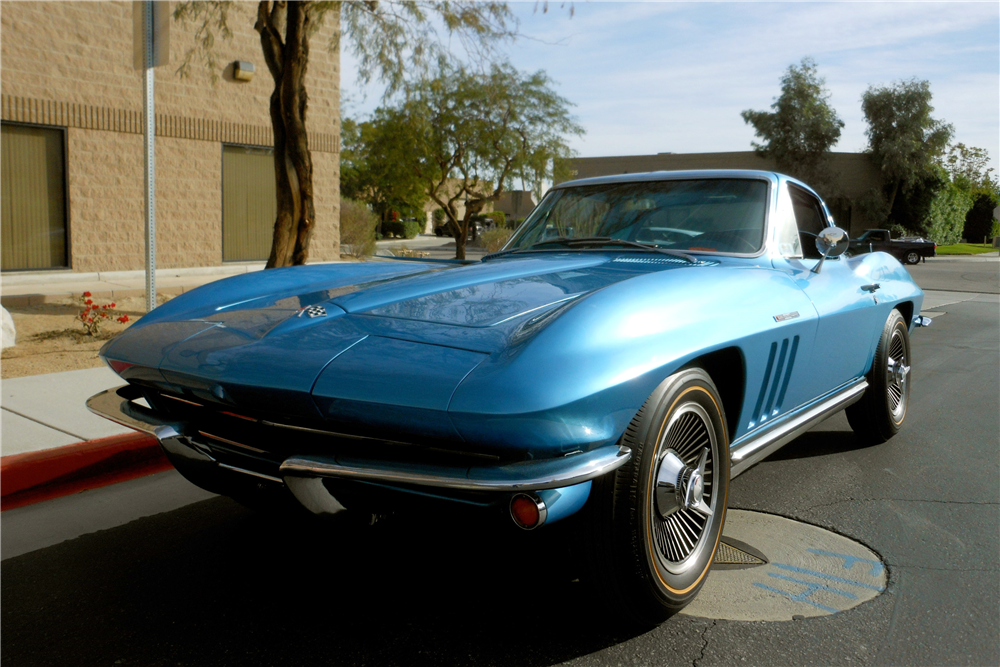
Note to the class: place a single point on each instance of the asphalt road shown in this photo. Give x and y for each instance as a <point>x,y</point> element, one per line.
<point>979,275</point>
<point>209,583</point>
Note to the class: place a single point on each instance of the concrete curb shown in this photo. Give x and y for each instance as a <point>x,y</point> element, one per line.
<point>34,477</point>
<point>61,276</point>
<point>36,299</point>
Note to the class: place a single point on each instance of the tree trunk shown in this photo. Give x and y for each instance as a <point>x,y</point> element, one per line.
<point>287,58</point>
<point>892,197</point>
<point>472,207</point>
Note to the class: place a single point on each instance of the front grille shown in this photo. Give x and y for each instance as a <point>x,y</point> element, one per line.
<point>261,443</point>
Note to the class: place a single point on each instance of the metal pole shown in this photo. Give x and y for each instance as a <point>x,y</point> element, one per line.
<point>149,134</point>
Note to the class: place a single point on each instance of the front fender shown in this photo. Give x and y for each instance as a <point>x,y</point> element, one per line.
<point>578,381</point>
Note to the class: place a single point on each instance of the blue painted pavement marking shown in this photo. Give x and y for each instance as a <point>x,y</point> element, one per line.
<point>814,586</point>
<point>828,577</point>
<point>849,561</point>
<point>800,597</point>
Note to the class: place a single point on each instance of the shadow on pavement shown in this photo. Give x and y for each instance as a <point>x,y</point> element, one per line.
<point>819,443</point>
<point>214,583</point>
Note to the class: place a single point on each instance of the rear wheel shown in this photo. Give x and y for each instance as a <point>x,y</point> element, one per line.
<point>655,523</point>
<point>880,413</point>
<point>912,257</point>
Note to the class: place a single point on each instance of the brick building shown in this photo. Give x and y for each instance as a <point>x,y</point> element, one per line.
<point>72,152</point>
<point>853,175</point>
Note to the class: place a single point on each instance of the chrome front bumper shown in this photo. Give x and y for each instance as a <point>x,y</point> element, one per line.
<point>535,475</point>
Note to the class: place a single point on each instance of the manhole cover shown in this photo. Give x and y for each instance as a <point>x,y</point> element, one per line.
<point>769,568</point>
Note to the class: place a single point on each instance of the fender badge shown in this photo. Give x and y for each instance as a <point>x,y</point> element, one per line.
<point>787,316</point>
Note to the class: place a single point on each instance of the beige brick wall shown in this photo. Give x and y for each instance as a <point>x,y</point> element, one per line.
<point>70,64</point>
<point>105,200</point>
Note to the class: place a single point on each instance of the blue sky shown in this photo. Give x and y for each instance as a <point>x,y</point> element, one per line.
<point>651,77</point>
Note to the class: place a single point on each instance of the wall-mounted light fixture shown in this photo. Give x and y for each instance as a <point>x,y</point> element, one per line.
<point>243,71</point>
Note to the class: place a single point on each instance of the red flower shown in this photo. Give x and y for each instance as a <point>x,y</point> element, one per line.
<point>112,304</point>
<point>89,301</point>
<point>90,320</point>
<point>86,294</point>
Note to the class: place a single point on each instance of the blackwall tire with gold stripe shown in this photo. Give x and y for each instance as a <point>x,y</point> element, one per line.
<point>652,527</point>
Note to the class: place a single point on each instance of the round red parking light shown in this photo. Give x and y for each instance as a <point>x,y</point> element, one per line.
<point>118,366</point>
<point>528,511</point>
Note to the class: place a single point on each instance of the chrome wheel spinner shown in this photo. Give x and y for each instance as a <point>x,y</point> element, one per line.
<point>679,486</point>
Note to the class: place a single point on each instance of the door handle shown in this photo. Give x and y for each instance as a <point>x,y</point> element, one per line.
<point>871,288</point>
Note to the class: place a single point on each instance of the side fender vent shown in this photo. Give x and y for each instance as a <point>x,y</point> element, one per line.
<point>777,374</point>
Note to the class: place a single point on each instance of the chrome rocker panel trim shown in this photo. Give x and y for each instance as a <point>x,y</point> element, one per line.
<point>764,441</point>
<point>116,404</point>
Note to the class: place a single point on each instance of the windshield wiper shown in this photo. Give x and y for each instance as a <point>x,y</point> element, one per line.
<point>570,241</point>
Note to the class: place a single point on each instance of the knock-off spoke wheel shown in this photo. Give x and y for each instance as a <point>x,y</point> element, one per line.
<point>684,499</point>
<point>897,372</point>
<point>657,520</point>
<point>881,411</point>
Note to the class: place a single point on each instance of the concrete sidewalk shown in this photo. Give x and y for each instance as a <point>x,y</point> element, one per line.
<point>37,287</point>
<point>45,411</point>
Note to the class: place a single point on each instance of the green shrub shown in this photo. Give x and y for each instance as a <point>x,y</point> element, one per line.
<point>401,229</point>
<point>392,229</point>
<point>493,239</point>
<point>498,217</point>
<point>438,216</point>
<point>898,231</point>
<point>946,218</point>
<point>357,229</point>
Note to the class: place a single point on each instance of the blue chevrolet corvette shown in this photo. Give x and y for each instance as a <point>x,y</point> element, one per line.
<point>641,340</point>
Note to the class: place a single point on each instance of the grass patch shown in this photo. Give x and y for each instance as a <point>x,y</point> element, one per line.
<point>965,249</point>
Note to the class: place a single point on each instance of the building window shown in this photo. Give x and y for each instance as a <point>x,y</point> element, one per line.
<point>33,198</point>
<point>249,203</point>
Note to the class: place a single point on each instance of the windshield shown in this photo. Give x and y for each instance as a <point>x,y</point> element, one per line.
<point>710,215</point>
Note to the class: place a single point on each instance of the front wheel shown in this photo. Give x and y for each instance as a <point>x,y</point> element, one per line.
<point>654,524</point>
<point>912,257</point>
<point>880,413</point>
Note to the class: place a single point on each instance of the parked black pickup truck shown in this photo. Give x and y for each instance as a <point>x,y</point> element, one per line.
<point>908,250</point>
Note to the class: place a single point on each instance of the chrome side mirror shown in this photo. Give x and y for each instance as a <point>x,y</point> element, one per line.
<point>831,242</point>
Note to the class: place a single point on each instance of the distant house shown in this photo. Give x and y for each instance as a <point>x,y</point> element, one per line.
<point>854,175</point>
<point>450,189</point>
<point>516,204</point>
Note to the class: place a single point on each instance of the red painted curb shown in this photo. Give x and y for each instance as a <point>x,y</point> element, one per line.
<point>52,473</point>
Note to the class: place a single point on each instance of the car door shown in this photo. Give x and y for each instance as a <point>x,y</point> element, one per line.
<point>844,298</point>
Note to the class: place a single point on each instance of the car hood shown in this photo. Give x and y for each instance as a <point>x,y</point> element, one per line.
<point>353,335</point>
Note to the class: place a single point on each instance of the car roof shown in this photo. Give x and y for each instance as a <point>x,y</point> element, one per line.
<point>674,176</point>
